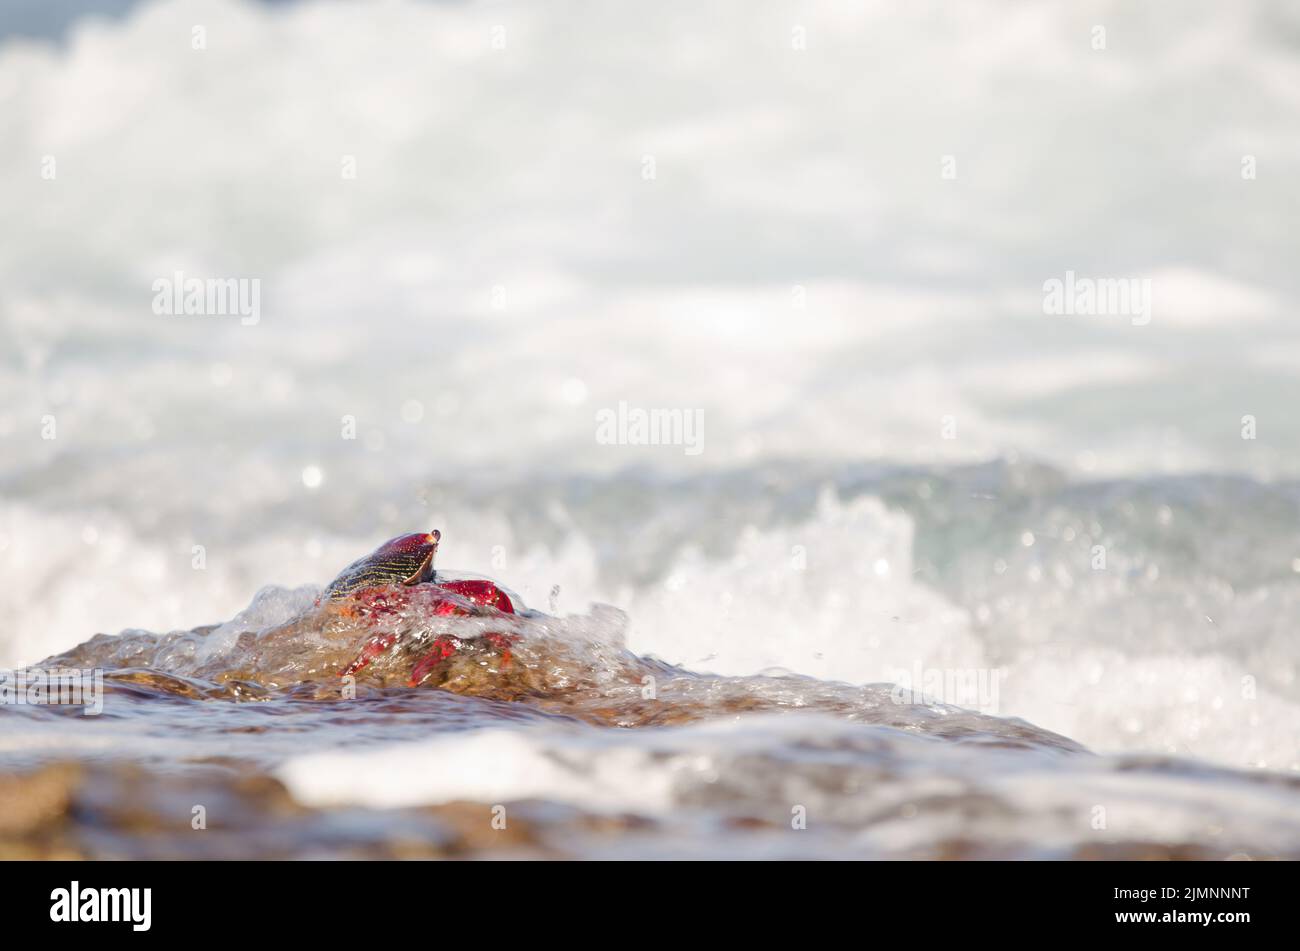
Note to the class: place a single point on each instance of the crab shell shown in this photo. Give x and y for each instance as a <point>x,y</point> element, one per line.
<point>406,560</point>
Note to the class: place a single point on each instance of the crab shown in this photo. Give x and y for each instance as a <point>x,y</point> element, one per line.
<point>371,589</point>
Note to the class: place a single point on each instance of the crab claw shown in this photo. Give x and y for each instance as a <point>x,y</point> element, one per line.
<point>480,592</point>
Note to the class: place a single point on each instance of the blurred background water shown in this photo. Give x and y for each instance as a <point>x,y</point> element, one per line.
<point>739,209</point>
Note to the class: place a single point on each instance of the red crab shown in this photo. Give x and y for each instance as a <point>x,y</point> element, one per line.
<point>366,589</point>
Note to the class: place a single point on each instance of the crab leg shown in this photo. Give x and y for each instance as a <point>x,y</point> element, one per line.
<point>479,592</point>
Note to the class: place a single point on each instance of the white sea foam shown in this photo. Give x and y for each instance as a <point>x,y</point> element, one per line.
<point>887,298</point>
<point>484,766</point>
<point>905,793</point>
<point>833,597</point>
